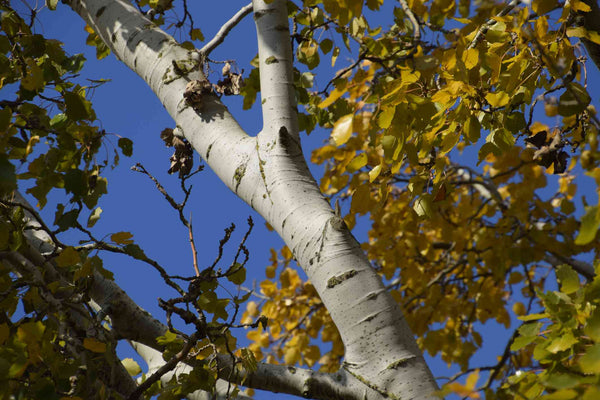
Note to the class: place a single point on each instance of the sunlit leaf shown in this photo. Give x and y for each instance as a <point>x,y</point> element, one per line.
<point>342,130</point>
<point>590,222</point>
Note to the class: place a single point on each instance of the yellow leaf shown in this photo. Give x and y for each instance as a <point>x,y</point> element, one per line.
<point>361,199</point>
<point>357,163</point>
<point>541,7</point>
<point>131,366</point>
<point>122,238</point>
<point>498,99</point>
<point>334,55</point>
<point>408,76</point>
<point>342,130</point>
<point>576,32</point>
<point>471,58</point>
<point>94,345</point>
<point>442,97</point>
<point>593,36</point>
<point>312,355</point>
<point>374,173</point>
<point>286,253</point>
<point>519,308</point>
<point>578,5</point>
<point>252,308</point>
<point>333,96</point>
<point>472,380</point>
<point>291,356</point>
<point>270,271</point>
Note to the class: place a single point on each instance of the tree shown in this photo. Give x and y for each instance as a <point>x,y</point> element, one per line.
<point>449,242</point>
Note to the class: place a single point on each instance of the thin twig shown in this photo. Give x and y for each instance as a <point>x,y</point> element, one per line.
<point>179,207</point>
<point>225,29</point>
<point>193,245</point>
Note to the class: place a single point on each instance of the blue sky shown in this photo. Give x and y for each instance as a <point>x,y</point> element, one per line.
<point>126,107</point>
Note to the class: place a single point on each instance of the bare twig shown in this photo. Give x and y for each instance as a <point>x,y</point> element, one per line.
<point>225,29</point>
<point>193,245</point>
<point>179,207</point>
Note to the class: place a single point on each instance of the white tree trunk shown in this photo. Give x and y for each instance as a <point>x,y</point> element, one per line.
<point>268,172</point>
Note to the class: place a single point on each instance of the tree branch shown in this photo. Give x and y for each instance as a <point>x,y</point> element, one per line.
<point>491,22</point>
<point>225,29</point>
<point>275,66</point>
<point>591,22</point>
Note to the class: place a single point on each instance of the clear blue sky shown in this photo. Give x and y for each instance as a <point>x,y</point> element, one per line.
<point>126,106</point>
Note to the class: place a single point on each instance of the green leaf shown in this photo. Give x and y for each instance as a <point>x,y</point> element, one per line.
<point>384,119</point>
<point>326,45</point>
<point>34,81</point>
<point>574,100</point>
<point>533,317</point>
<point>5,117</point>
<point>8,178</point>
<point>51,4</point>
<point>515,122</point>
<point>423,206</point>
<point>131,366</point>
<point>590,222</point>
<point>94,217</point>
<point>562,343</point>
<point>196,34</point>
<point>590,361</point>
<point>472,129</point>
<point>126,146</point>
<point>486,149</point>
<point>58,121</point>
<point>248,360</point>
<point>75,182</point>
<point>65,220</point>
<point>77,106</point>
<point>521,342</point>
<point>169,338</point>
<point>134,251</point>
<point>592,328</point>
<point>239,276</point>
<point>561,381</point>
<point>569,280</point>
<point>68,257</point>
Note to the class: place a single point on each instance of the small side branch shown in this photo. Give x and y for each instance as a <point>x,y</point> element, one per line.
<point>491,22</point>
<point>414,22</point>
<point>167,367</point>
<point>225,29</point>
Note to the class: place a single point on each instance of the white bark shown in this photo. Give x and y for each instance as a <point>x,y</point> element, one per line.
<point>269,173</point>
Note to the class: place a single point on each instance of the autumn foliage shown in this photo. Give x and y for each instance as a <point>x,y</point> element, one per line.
<point>463,135</point>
